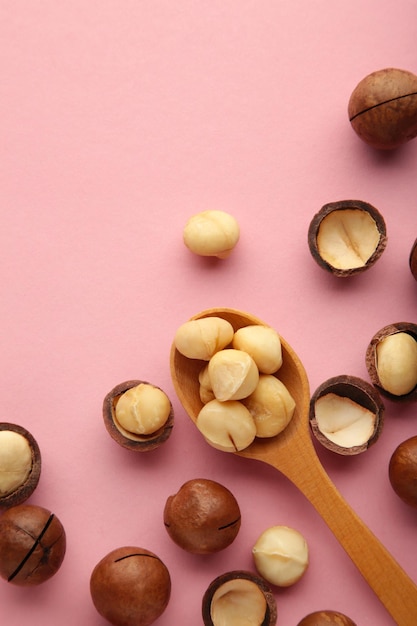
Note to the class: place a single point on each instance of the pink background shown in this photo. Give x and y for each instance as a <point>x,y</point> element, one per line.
<point>119,120</point>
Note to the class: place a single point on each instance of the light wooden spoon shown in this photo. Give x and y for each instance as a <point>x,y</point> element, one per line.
<point>292,453</point>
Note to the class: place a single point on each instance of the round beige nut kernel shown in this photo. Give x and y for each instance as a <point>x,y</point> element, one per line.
<point>211,233</point>
<point>271,406</point>
<point>281,555</point>
<point>227,426</point>
<point>200,339</point>
<point>233,374</point>
<point>15,461</point>
<point>263,344</point>
<point>143,409</point>
<point>396,363</point>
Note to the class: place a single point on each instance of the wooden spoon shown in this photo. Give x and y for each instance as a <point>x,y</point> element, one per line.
<point>292,453</point>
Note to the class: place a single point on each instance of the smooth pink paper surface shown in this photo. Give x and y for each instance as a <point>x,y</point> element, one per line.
<point>119,120</point>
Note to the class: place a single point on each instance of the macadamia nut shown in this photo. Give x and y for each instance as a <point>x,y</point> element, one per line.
<point>263,344</point>
<point>343,421</point>
<point>233,374</point>
<point>237,602</point>
<point>396,363</point>
<point>281,555</point>
<point>202,338</point>
<point>211,233</point>
<point>347,238</point>
<point>227,426</point>
<point>15,461</point>
<point>143,409</point>
<point>239,598</point>
<point>271,406</point>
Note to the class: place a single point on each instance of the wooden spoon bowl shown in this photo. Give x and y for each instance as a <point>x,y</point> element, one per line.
<point>292,453</point>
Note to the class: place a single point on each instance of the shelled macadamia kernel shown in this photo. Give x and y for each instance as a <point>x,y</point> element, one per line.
<point>281,555</point>
<point>211,233</point>
<point>202,338</point>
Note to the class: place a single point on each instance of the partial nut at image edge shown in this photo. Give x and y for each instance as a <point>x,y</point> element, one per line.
<point>412,261</point>
<point>24,491</point>
<point>371,363</point>
<point>331,207</point>
<point>144,443</point>
<point>270,617</point>
<point>359,391</point>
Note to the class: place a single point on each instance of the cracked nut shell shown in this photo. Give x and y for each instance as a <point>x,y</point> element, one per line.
<point>202,517</point>
<point>396,367</point>
<point>346,414</point>
<point>402,471</point>
<point>347,237</point>
<point>130,440</point>
<point>326,618</point>
<point>130,586</point>
<point>238,595</point>
<point>19,492</point>
<point>32,545</point>
<point>383,108</point>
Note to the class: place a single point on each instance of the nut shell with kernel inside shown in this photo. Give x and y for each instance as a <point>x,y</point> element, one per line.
<point>142,404</point>
<point>130,586</point>
<point>347,237</point>
<point>20,464</point>
<point>239,597</point>
<point>202,517</point>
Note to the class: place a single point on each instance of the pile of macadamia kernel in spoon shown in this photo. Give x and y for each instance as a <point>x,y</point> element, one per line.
<point>240,389</point>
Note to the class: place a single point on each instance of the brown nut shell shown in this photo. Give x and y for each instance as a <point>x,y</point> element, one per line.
<point>202,517</point>
<point>130,586</point>
<point>239,581</point>
<point>25,490</point>
<point>131,441</point>
<point>347,391</point>
<point>32,545</point>
<point>371,358</point>
<point>343,222</point>
<point>413,259</point>
<point>382,108</point>
<point>402,471</point>
<point>326,618</point>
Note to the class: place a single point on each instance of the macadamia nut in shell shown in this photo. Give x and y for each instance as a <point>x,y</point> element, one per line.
<point>383,108</point>
<point>32,545</point>
<point>130,586</point>
<point>202,517</point>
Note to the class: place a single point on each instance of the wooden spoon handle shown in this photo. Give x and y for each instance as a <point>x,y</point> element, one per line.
<point>384,575</point>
